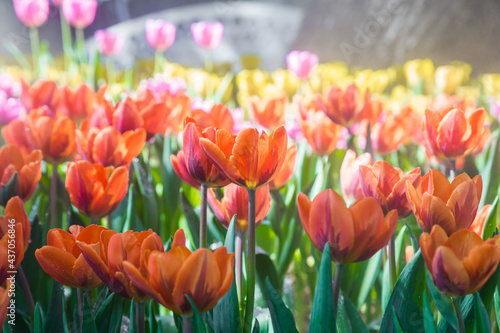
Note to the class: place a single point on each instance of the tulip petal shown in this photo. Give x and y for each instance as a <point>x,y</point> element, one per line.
<point>480,263</point>
<point>449,273</point>
<point>463,203</point>
<point>435,212</point>
<point>58,264</point>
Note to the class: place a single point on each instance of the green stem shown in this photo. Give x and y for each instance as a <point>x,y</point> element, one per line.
<point>458,311</point>
<point>337,281</point>
<point>80,46</point>
<point>158,67</point>
<point>240,237</point>
<point>53,198</point>
<point>392,260</point>
<point>139,317</point>
<point>80,307</point>
<point>350,141</point>
<point>109,222</point>
<point>35,50</point>
<point>187,324</point>
<point>209,66</point>
<point>110,70</point>
<point>250,263</point>
<point>453,169</point>
<point>203,217</point>
<point>26,290</point>
<point>66,39</point>
<point>368,148</point>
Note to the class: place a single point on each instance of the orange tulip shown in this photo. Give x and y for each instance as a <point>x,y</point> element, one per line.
<point>478,224</point>
<point>78,104</point>
<point>387,184</point>
<point>249,160</point>
<point>108,147</point>
<point>4,303</point>
<point>235,202</point>
<point>320,132</point>
<point>180,104</point>
<point>62,259</point>
<point>203,275</point>
<point>349,175</point>
<point>389,132</point>
<point>53,135</point>
<point>450,134</point>
<point>102,114</point>
<point>354,234</point>
<point>15,231</point>
<point>461,263</point>
<point>345,108</point>
<point>96,191</point>
<point>197,163</point>
<point>28,170</point>
<point>181,169</point>
<point>268,112</point>
<point>126,117</point>
<point>41,93</point>
<point>287,169</point>
<point>218,116</point>
<point>107,259</point>
<point>437,202</point>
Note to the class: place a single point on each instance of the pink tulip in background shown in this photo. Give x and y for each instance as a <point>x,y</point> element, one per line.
<point>32,13</point>
<point>301,63</point>
<point>10,108</point>
<point>160,34</point>
<point>206,34</point>
<point>79,13</point>
<point>108,43</point>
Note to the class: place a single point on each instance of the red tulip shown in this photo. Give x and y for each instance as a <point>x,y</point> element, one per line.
<point>126,117</point>
<point>354,234</point>
<point>78,104</point>
<point>41,93</point>
<point>181,169</point>
<point>346,107</point>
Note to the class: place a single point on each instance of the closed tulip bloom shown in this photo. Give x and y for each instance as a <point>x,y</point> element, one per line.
<point>4,302</point>
<point>53,135</point>
<point>126,116</point>
<point>207,34</point>
<point>160,34</point>
<point>181,169</point>
<point>301,63</point>
<point>344,107</point>
<point>249,160</point>
<point>41,93</point>
<point>219,116</point>
<point>19,236</point>
<point>108,147</point>
<point>450,134</point>
<point>79,13</point>
<point>354,234</point>
<point>203,275</point>
<point>155,118</point>
<point>387,184</point>
<point>131,247</point>
<point>349,175</point>
<point>32,13</point>
<point>451,206</point>
<point>460,264</point>
<point>478,224</point>
<point>108,43</point>
<point>268,112</point>
<point>286,172</point>
<point>389,133</point>
<point>96,191</point>
<point>28,171</point>
<point>235,202</point>
<point>62,259</point>
<point>78,104</point>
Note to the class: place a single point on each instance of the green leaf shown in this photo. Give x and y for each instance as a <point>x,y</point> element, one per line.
<point>256,327</point>
<point>266,270</point>
<point>226,314</point>
<point>88,324</point>
<point>11,47</point>
<point>132,323</point>
<point>348,318</point>
<point>429,324</point>
<point>154,326</point>
<point>406,298</point>
<point>9,191</point>
<point>482,323</point>
<point>198,324</point>
<point>497,305</point>
<point>281,316</point>
<point>490,170</point>
<point>490,225</point>
<point>322,314</point>
<point>38,320</point>
<point>397,324</point>
<point>443,303</point>
<point>130,218</point>
<point>53,322</point>
<point>369,277</point>
<point>109,315</point>
<point>192,218</point>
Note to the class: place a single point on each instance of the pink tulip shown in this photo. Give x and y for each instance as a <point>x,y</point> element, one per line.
<point>301,63</point>
<point>206,34</point>
<point>32,13</point>
<point>160,34</point>
<point>349,175</point>
<point>79,13</point>
<point>10,108</point>
<point>108,43</point>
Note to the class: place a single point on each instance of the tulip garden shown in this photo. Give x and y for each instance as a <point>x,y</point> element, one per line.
<point>314,198</point>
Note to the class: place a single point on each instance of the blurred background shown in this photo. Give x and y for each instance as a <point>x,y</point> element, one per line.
<point>366,33</point>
